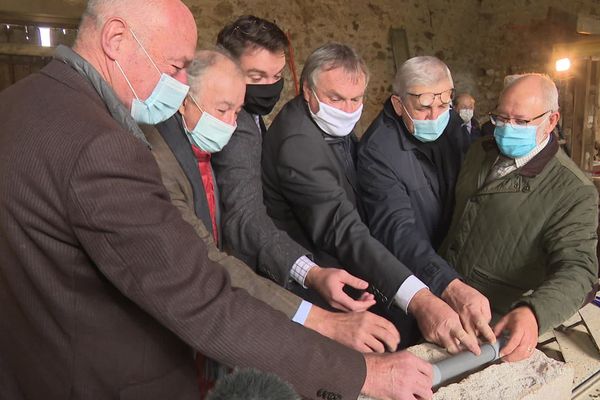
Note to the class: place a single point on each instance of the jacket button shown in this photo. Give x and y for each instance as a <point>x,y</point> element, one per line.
<point>526,188</point>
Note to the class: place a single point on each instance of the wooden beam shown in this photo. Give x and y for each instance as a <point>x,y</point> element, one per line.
<point>580,127</point>
<point>16,49</point>
<point>588,47</point>
<point>51,21</point>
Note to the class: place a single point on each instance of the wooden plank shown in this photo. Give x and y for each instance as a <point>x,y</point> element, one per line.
<point>578,349</point>
<point>399,46</point>
<point>590,314</point>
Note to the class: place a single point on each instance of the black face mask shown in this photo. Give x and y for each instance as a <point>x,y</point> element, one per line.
<point>260,99</point>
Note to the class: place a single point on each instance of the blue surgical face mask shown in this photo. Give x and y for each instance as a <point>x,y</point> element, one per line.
<point>429,130</point>
<point>163,102</point>
<point>516,141</point>
<point>210,133</point>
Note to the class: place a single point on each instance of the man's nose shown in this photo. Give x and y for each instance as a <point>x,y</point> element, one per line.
<point>350,106</point>
<point>181,76</point>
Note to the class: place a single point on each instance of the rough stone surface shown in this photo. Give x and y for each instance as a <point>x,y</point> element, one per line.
<point>481,40</point>
<point>537,378</point>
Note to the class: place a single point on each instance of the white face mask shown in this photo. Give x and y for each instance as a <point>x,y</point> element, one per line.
<point>466,114</point>
<point>333,121</point>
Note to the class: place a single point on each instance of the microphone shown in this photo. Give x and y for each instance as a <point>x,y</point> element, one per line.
<point>252,384</point>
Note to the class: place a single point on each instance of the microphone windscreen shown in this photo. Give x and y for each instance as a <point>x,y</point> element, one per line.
<point>251,384</point>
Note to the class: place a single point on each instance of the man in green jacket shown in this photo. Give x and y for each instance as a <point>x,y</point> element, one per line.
<point>524,227</point>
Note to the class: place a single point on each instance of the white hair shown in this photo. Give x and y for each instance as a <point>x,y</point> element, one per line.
<point>548,91</point>
<point>203,61</point>
<point>420,71</point>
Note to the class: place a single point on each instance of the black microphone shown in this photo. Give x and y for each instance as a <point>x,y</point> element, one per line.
<point>252,384</point>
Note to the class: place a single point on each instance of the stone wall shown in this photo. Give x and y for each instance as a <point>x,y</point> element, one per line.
<point>480,40</point>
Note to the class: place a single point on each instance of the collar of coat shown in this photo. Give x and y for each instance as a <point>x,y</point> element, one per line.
<point>536,165</point>
<point>117,110</point>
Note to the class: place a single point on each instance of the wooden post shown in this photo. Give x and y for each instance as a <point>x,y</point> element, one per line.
<point>399,46</point>
<point>581,112</point>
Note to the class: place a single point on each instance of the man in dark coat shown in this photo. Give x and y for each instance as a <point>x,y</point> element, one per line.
<point>464,105</point>
<point>248,232</point>
<point>310,188</point>
<point>105,290</point>
<point>408,162</point>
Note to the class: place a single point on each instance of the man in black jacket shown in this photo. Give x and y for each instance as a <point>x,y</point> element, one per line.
<point>408,164</point>
<point>310,190</point>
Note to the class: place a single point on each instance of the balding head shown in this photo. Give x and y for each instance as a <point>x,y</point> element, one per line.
<point>217,86</point>
<point>165,29</point>
<point>529,96</point>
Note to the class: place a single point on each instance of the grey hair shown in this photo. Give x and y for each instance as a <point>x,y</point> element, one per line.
<point>97,11</point>
<point>203,61</point>
<point>420,71</point>
<point>460,96</point>
<point>331,56</point>
<point>548,91</point>
<point>509,79</point>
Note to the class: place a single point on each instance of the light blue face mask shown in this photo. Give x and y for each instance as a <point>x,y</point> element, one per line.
<point>516,141</point>
<point>163,102</point>
<point>429,130</point>
<point>210,133</point>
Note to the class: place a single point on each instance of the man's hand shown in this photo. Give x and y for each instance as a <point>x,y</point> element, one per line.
<point>523,330</point>
<point>362,331</point>
<point>440,324</point>
<point>397,376</point>
<point>472,307</point>
<point>329,283</point>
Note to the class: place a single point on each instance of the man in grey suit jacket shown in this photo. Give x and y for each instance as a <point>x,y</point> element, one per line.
<point>309,181</point>
<point>248,232</point>
<point>105,289</point>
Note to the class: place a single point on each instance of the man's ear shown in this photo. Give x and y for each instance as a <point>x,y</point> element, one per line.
<point>553,120</point>
<point>396,103</point>
<point>113,32</point>
<point>306,92</point>
<point>184,105</point>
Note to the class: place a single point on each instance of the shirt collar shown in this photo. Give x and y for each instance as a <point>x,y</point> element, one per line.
<point>521,161</point>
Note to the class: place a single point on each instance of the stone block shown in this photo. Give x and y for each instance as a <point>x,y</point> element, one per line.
<point>537,378</point>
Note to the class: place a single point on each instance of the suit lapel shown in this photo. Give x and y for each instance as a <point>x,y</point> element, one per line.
<point>174,135</point>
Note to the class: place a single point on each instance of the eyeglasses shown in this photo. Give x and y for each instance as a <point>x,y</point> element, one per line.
<point>500,120</point>
<point>427,99</point>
